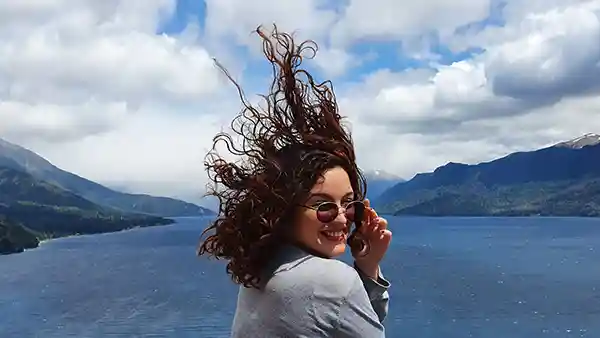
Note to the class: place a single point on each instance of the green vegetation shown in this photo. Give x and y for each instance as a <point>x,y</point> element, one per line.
<point>565,198</point>
<point>31,210</point>
<point>16,238</point>
<point>56,221</point>
<point>562,180</point>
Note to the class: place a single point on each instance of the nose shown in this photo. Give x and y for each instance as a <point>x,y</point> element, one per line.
<point>341,216</point>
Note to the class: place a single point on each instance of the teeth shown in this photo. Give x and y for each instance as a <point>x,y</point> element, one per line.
<point>334,234</point>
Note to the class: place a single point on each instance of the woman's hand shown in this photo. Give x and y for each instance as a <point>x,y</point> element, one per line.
<point>375,232</point>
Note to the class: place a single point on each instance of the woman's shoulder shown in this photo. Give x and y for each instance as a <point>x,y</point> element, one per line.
<point>316,274</point>
<point>303,296</point>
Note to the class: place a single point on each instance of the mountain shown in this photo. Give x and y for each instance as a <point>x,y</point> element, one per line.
<point>560,180</point>
<point>19,158</point>
<point>378,181</point>
<point>17,186</point>
<point>32,209</point>
<point>580,142</point>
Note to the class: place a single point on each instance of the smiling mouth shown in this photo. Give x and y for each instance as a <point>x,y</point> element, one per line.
<point>335,236</point>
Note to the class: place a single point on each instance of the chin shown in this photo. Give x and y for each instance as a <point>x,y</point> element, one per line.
<point>338,250</point>
<point>332,246</point>
<point>333,251</point>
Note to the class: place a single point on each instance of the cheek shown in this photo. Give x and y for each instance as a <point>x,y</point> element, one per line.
<point>307,217</point>
<point>308,225</point>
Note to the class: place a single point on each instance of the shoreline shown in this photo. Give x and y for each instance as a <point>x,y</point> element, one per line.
<point>49,239</point>
<point>109,232</point>
<point>173,220</point>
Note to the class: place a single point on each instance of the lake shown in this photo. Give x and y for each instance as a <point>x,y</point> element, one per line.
<point>451,278</point>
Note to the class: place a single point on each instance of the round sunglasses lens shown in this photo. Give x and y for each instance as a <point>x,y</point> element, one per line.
<point>350,212</point>
<point>327,212</point>
<point>355,211</point>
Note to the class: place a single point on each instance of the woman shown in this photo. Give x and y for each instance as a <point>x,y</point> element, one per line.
<point>289,207</point>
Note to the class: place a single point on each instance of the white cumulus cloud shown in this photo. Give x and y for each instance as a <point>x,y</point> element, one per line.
<point>93,87</point>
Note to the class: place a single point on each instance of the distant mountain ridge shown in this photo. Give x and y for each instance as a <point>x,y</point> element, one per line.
<point>560,180</point>
<point>589,139</point>
<point>378,181</point>
<point>39,200</point>
<point>20,158</point>
<point>32,209</point>
<point>19,186</point>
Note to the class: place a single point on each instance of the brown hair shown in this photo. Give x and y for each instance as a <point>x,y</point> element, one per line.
<point>284,149</point>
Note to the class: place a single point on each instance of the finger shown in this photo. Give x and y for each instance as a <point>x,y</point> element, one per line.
<point>363,226</point>
<point>382,223</point>
<point>367,227</point>
<point>376,223</point>
<point>370,217</point>
<point>385,236</point>
<point>367,218</point>
<point>376,229</point>
<point>376,219</point>
<point>373,211</point>
<point>367,203</point>
<point>367,224</point>
<point>371,229</point>
<point>371,220</point>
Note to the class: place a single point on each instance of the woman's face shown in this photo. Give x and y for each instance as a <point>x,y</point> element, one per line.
<point>328,239</point>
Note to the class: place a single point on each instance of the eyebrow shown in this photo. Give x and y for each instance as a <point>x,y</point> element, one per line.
<point>324,195</point>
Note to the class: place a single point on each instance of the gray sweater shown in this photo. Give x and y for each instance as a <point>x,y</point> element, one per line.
<point>309,296</point>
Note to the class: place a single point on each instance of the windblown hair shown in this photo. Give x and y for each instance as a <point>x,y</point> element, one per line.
<point>285,148</point>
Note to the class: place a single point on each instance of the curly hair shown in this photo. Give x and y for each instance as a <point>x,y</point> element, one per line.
<point>285,148</point>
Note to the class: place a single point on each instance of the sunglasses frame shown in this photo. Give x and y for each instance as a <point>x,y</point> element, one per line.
<point>337,209</point>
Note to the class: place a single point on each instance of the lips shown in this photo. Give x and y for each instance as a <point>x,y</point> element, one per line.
<point>334,233</point>
<point>336,236</point>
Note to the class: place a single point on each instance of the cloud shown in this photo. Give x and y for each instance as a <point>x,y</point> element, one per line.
<point>56,123</point>
<point>557,55</point>
<point>109,53</point>
<point>91,86</point>
<point>534,84</point>
<point>395,20</point>
<point>103,89</point>
<point>544,59</point>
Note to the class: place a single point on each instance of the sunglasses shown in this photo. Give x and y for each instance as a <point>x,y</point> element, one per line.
<point>327,212</point>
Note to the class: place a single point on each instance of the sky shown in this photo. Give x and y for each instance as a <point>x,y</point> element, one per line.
<point>126,92</point>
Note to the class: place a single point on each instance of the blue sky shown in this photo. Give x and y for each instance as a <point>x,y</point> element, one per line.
<point>185,11</point>
<point>376,53</point>
<point>121,91</point>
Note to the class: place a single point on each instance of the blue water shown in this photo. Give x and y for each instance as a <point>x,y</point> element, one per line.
<point>451,278</point>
